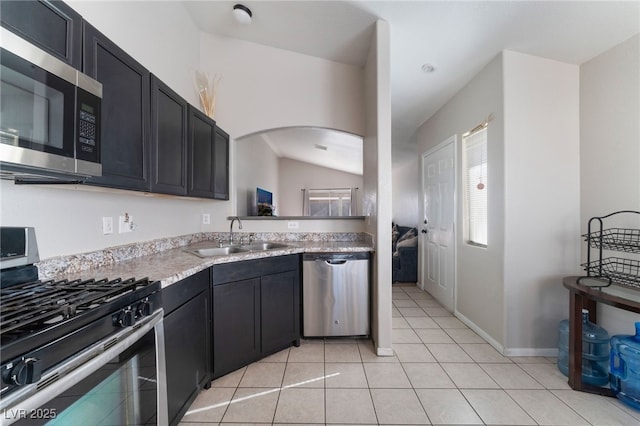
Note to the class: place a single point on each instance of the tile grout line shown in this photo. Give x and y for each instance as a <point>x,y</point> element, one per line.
<point>504,390</point>
<point>450,378</point>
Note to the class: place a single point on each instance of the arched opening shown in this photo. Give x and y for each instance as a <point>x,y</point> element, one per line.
<point>288,162</point>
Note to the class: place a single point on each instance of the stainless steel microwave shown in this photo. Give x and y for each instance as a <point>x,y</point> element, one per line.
<point>49,114</point>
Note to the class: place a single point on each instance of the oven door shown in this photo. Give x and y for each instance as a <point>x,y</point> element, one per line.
<point>119,381</point>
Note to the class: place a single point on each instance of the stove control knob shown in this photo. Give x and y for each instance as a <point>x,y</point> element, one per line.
<point>127,317</point>
<point>143,309</point>
<point>24,372</point>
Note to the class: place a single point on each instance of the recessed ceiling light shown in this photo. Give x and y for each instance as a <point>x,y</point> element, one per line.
<point>242,14</point>
<point>428,68</point>
<point>321,147</point>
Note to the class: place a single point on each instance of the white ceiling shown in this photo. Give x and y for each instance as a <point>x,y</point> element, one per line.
<point>457,38</point>
<point>322,147</point>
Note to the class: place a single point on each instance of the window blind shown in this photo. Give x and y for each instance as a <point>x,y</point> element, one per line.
<point>475,186</point>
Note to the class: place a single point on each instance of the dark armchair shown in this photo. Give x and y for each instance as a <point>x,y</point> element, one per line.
<point>405,254</point>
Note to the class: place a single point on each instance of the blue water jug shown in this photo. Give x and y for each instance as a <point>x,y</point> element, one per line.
<point>625,367</point>
<point>595,351</point>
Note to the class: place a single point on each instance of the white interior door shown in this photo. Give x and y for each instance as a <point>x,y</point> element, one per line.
<point>437,233</point>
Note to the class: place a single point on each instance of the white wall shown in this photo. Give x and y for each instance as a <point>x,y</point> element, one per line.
<point>479,273</point>
<point>542,201</point>
<point>406,192</point>
<point>511,292</point>
<point>263,88</point>
<point>377,180</point>
<point>296,175</point>
<point>610,148</point>
<point>256,166</point>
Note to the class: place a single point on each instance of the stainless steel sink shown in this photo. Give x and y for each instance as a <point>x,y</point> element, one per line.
<point>227,250</point>
<point>217,251</point>
<point>259,246</point>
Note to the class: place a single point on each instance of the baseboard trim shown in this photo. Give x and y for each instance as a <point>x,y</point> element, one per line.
<point>384,352</point>
<point>547,352</point>
<point>480,332</point>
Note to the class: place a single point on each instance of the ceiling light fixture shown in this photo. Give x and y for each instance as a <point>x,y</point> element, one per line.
<point>428,68</point>
<point>242,14</point>
<point>320,147</point>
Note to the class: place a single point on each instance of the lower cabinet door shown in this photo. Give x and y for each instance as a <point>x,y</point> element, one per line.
<point>187,354</point>
<point>280,303</point>
<point>236,325</point>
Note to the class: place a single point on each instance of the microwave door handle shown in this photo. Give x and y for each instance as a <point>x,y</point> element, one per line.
<point>82,366</point>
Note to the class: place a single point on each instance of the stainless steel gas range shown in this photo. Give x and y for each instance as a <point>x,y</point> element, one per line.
<point>79,352</point>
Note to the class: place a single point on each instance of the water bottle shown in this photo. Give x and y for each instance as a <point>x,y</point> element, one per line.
<point>563,347</point>
<point>595,351</point>
<point>625,368</point>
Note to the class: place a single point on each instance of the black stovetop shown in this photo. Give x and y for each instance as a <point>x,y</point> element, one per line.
<point>35,313</point>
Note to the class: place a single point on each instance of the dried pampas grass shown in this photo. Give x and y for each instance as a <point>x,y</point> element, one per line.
<point>207,87</point>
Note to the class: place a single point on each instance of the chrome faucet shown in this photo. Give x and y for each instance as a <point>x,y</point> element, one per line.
<point>231,228</point>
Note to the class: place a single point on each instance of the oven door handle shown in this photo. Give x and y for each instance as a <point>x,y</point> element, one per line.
<point>62,377</point>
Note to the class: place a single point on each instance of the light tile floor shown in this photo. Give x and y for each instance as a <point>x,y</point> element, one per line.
<point>442,373</point>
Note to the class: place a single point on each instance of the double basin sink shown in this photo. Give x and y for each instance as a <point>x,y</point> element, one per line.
<point>232,249</point>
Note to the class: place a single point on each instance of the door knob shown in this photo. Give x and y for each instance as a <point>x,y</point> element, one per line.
<point>425,231</point>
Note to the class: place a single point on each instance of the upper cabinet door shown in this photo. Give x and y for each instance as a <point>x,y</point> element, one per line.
<point>125,112</point>
<point>221,167</point>
<point>202,133</point>
<point>51,25</point>
<point>169,140</point>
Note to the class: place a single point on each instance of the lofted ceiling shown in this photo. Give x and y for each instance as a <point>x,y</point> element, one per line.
<point>323,147</point>
<point>457,38</point>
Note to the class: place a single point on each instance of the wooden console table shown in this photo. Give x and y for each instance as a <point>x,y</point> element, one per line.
<point>584,297</point>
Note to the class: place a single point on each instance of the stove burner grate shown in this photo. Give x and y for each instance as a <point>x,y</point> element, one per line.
<point>34,306</point>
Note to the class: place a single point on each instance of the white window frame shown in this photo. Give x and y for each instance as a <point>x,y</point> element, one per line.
<point>330,197</point>
<point>475,174</point>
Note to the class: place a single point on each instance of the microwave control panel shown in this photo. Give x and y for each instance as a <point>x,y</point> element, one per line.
<point>87,129</point>
<point>88,107</point>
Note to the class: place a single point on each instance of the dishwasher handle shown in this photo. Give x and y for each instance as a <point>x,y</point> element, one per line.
<point>334,261</point>
<point>335,258</point>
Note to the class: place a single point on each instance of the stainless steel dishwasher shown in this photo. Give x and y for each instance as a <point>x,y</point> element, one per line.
<point>335,294</point>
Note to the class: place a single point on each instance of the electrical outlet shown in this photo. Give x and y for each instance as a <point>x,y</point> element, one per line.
<point>107,225</point>
<point>292,225</point>
<point>206,219</point>
<point>125,223</point>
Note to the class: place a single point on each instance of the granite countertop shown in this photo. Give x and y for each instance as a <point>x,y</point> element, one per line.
<point>171,266</point>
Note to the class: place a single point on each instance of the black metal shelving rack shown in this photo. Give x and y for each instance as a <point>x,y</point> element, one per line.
<point>603,271</point>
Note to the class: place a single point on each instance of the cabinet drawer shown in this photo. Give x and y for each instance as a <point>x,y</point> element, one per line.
<point>181,292</point>
<point>230,272</point>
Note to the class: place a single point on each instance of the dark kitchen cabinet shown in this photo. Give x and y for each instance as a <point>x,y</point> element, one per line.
<point>256,310</point>
<point>221,167</point>
<point>280,310</point>
<point>208,157</point>
<point>125,129</point>
<point>168,140</point>
<point>202,134</point>
<point>51,25</point>
<point>236,325</point>
<point>187,330</point>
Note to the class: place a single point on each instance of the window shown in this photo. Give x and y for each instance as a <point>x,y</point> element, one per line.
<point>474,166</point>
<point>328,202</point>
